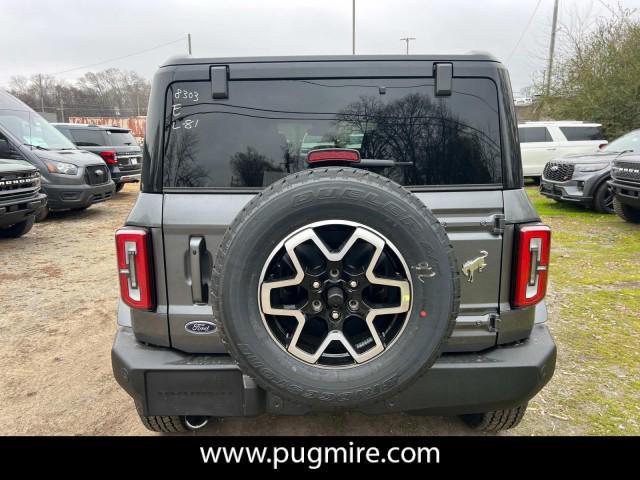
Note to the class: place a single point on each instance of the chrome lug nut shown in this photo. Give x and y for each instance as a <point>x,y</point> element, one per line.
<point>316,284</point>
<point>353,305</point>
<point>335,315</point>
<point>353,284</point>
<point>316,305</point>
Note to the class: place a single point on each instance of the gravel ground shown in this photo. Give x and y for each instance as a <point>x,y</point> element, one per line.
<point>58,292</point>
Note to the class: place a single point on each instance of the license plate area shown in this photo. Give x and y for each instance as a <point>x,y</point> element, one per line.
<point>194,392</point>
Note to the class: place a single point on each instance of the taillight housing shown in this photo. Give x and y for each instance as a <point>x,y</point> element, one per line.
<point>133,247</point>
<point>109,156</point>
<point>531,265</point>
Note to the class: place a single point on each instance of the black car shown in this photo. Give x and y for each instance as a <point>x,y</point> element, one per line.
<point>625,185</point>
<point>20,197</point>
<point>117,147</point>
<point>583,178</point>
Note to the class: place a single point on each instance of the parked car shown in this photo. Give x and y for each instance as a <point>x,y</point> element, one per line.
<point>625,184</point>
<point>543,141</point>
<point>72,178</point>
<point>339,286</point>
<point>20,197</point>
<point>584,179</point>
<point>117,147</point>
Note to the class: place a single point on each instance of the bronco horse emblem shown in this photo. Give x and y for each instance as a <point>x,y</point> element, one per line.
<point>469,267</point>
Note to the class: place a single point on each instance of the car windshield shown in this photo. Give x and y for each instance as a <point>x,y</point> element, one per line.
<point>265,130</point>
<point>31,129</point>
<point>630,141</point>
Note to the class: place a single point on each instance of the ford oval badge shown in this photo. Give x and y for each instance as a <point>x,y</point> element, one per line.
<point>200,327</point>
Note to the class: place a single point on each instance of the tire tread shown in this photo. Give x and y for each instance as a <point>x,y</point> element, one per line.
<point>625,212</point>
<point>318,174</point>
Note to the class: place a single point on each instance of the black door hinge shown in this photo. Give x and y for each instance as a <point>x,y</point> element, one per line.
<point>494,322</point>
<point>499,221</point>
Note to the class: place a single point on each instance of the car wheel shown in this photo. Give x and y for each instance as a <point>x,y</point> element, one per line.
<point>172,423</point>
<point>603,199</point>
<point>42,214</point>
<point>119,186</point>
<point>625,212</point>
<point>19,229</point>
<point>495,421</point>
<point>335,287</point>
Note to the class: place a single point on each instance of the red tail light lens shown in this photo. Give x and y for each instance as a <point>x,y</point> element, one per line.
<point>328,155</point>
<point>602,145</point>
<point>133,248</point>
<point>532,265</point>
<point>109,157</point>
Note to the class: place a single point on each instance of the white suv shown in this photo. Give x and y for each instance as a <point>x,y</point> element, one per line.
<point>543,141</point>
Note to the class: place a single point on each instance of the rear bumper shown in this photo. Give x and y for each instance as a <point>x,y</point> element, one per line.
<point>164,381</point>
<point>77,196</point>
<point>15,211</point>
<point>126,176</point>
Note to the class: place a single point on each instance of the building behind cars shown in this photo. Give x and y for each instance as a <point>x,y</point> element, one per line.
<point>583,179</point>
<point>73,179</point>
<point>543,141</point>
<point>20,197</point>
<point>117,147</point>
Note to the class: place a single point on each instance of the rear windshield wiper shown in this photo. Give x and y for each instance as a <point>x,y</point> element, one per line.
<point>36,146</point>
<point>381,163</point>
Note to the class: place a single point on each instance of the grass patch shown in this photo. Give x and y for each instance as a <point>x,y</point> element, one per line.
<point>594,304</point>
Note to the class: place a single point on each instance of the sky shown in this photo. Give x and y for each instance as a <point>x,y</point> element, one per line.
<point>58,36</point>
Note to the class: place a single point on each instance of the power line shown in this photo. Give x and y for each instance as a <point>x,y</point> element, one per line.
<point>607,7</point>
<point>533,14</point>
<point>181,39</point>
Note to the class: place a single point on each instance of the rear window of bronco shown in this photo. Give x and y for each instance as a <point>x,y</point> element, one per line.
<point>264,130</point>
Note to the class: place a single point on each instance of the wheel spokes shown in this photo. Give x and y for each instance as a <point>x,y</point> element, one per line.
<point>334,335</point>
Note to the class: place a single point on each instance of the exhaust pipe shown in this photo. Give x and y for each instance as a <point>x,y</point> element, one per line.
<point>195,422</point>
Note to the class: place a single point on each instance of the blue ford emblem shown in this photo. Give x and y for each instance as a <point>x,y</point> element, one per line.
<point>200,327</point>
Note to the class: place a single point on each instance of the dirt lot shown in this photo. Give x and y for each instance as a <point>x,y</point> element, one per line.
<point>58,292</point>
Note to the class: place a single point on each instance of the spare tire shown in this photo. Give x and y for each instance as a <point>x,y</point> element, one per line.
<point>335,287</point>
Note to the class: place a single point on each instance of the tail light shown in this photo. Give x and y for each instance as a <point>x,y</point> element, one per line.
<point>109,157</point>
<point>532,265</point>
<point>602,145</point>
<point>133,248</point>
<point>333,155</point>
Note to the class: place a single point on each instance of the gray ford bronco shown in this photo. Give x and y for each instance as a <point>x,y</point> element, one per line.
<point>322,234</point>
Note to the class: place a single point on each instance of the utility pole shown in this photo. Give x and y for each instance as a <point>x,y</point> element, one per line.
<point>41,93</point>
<point>552,45</point>
<point>407,40</point>
<point>61,103</point>
<point>353,27</point>
<point>189,42</point>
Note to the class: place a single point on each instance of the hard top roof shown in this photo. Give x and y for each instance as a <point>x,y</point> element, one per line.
<point>190,60</point>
